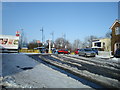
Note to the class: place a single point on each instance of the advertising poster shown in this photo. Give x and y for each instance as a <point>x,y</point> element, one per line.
<point>9,42</point>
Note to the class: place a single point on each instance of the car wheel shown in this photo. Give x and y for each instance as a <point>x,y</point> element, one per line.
<point>85,55</point>
<point>94,56</point>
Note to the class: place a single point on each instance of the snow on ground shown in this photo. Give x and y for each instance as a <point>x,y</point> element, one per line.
<point>47,78</point>
<point>100,57</point>
<point>39,76</point>
<point>117,60</point>
<point>103,57</point>
<point>104,54</point>
<point>109,59</point>
<point>0,65</point>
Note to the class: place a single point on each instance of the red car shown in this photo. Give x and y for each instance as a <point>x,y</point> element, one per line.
<point>76,52</point>
<point>63,51</point>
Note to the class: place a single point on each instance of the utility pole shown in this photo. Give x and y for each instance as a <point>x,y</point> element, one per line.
<point>52,39</point>
<point>42,34</point>
<point>64,36</point>
<point>21,38</point>
<point>52,36</point>
<point>64,40</point>
<point>49,46</point>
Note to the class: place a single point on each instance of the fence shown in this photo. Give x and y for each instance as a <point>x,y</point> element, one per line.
<point>28,51</point>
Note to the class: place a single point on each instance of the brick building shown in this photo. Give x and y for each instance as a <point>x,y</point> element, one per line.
<point>115,39</point>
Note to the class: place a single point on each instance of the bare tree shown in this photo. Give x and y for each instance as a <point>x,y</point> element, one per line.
<point>108,34</point>
<point>68,45</point>
<point>47,43</point>
<point>62,43</point>
<point>33,44</point>
<point>84,44</point>
<point>77,44</point>
<point>23,39</point>
<point>89,39</point>
<point>59,42</point>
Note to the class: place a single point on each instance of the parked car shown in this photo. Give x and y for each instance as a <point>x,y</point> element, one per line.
<point>41,49</point>
<point>87,52</point>
<point>117,53</point>
<point>63,51</point>
<point>95,50</point>
<point>76,52</point>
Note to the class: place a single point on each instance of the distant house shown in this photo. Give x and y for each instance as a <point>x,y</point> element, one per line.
<point>103,44</point>
<point>115,39</point>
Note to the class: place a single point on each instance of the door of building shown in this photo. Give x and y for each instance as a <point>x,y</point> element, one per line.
<point>116,46</point>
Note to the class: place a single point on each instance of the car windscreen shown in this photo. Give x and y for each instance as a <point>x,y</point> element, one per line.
<point>88,49</point>
<point>65,50</point>
<point>94,48</point>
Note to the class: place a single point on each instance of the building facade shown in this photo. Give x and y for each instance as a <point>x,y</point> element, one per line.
<point>103,44</point>
<point>115,38</point>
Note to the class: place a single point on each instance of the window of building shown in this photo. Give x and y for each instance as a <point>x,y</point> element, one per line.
<point>95,44</point>
<point>118,45</point>
<point>98,44</point>
<point>103,44</point>
<point>117,30</point>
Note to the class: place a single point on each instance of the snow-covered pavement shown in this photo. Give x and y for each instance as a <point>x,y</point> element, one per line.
<point>19,70</point>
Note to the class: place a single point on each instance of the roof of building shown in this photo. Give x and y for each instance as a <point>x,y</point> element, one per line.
<point>115,23</point>
<point>97,40</point>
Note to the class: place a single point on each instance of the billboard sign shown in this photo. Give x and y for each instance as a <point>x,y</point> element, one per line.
<point>9,42</point>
